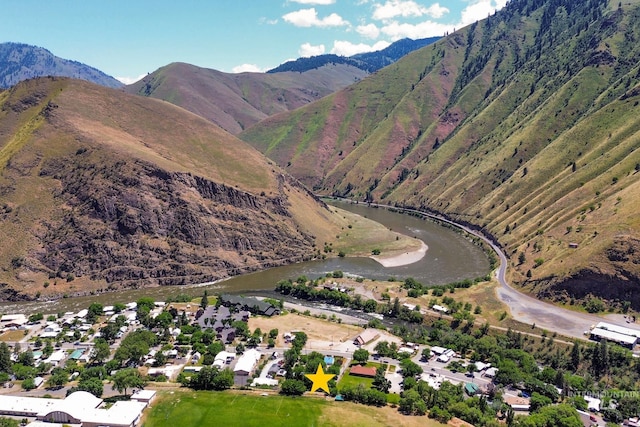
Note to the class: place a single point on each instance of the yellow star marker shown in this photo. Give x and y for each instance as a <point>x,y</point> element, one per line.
<point>320,379</point>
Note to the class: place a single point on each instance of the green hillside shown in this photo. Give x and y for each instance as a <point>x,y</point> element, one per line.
<point>526,124</point>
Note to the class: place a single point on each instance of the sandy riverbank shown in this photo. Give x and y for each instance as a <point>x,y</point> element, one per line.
<point>402,259</point>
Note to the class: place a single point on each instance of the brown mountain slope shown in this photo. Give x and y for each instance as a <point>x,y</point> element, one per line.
<point>237,101</point>
<point>100,189</point>
<point>526,124</point>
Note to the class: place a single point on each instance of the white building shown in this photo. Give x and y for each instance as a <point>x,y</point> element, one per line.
<point>440,308</point>
<point>619,334</point>
<point>245,365</point>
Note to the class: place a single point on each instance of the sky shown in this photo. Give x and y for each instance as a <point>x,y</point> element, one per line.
<point>128,39</point>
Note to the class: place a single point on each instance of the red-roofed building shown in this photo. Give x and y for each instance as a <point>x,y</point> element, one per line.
<point>363,371</point>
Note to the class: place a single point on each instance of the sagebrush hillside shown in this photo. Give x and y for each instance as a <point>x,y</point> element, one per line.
<point>236,101</point>
<point>526,124</point>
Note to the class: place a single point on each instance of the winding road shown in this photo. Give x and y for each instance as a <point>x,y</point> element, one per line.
<point>523,308</point>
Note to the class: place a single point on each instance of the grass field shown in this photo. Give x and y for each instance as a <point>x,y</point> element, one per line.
<point>234,408</point>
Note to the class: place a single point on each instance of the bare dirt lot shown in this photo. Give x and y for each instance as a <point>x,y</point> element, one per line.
<point>317,330</point>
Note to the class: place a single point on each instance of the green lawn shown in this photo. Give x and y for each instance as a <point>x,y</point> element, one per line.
<point>187,409</point>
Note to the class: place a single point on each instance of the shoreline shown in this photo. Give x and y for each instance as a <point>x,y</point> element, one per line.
<point>402,259</point>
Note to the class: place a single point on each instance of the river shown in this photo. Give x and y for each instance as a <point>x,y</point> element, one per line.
<point>451,257</point>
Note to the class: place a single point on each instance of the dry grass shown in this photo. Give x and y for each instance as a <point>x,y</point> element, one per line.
<point>12,336</point>
<point>316,329</point>
<point>346,414</point>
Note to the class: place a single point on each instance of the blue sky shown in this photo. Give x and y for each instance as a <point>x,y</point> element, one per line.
<point>128,39</point>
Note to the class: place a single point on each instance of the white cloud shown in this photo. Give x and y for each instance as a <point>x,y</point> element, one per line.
<point>247,68</point>
<point>346,48</point>
<point>406,9</point>
<point>397,31</point>
<point>370,31</point>
<point>130,80</point>
<point>307,49</point>
<point>480,9</point>
<point>320,2</point>
<point>309,18</point>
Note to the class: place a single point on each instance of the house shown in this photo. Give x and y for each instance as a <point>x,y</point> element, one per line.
<point>56,357</point>
<point>245,365</point>
<point>632,422</point>
<point>491,372</point>
<point>517,403</point>
<point>366,336</point>
<point>593,404</point>
<point>438,350</point>
<point>13,321</point>
<point>363,371</point>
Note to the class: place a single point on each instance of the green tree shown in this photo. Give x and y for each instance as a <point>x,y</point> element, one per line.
<point>125,379</point>
<point>204,302</point>
<point>291,387</point>
<point>361,355</point>
<point>5,358</point>
<point>410,368</point>
<point>537,401</point>
<point>94,310</point>
<point>90,385</point>
<point>58,378</point>
<point>28,384</point>
<point>101,351</point>
<point>380,382</point>
<point>8,422</point>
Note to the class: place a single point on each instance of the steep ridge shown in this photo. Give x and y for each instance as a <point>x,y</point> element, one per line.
<point>19,61</point>
<point>101,190</point>
<point>237,101</point>
<point>525,124</point>
<point>368,61</point>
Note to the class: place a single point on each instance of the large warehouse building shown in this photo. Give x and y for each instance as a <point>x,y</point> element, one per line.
<point>622,335</point>
<point>79,408</point>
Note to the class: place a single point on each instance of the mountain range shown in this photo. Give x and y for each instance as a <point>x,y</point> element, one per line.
<point>20,61</point>
<point>238,101</point>
<point>525,124</point>
<point>368,61</point>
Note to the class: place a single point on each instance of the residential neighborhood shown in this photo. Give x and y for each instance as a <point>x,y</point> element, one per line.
<point>75,359</point>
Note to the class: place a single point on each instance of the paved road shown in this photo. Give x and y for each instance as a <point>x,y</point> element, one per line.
<point>523,307</point>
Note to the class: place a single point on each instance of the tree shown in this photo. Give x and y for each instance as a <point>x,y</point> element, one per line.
<point>361,355</point>
<point>537,401</point>
<point>293,387</point>
<point>380,382</point>
<point>127,378</point>
<point>522,258</point>
<point>8,422</point>
<point>58,378</point>
<point>410,368</point>
<point>575,356</point>
<point>204,302</point>
<point>90,385</point>
<point>94,310</point>
<point>28,384</point>
<point>5,358</point>
<point>101,351</point>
